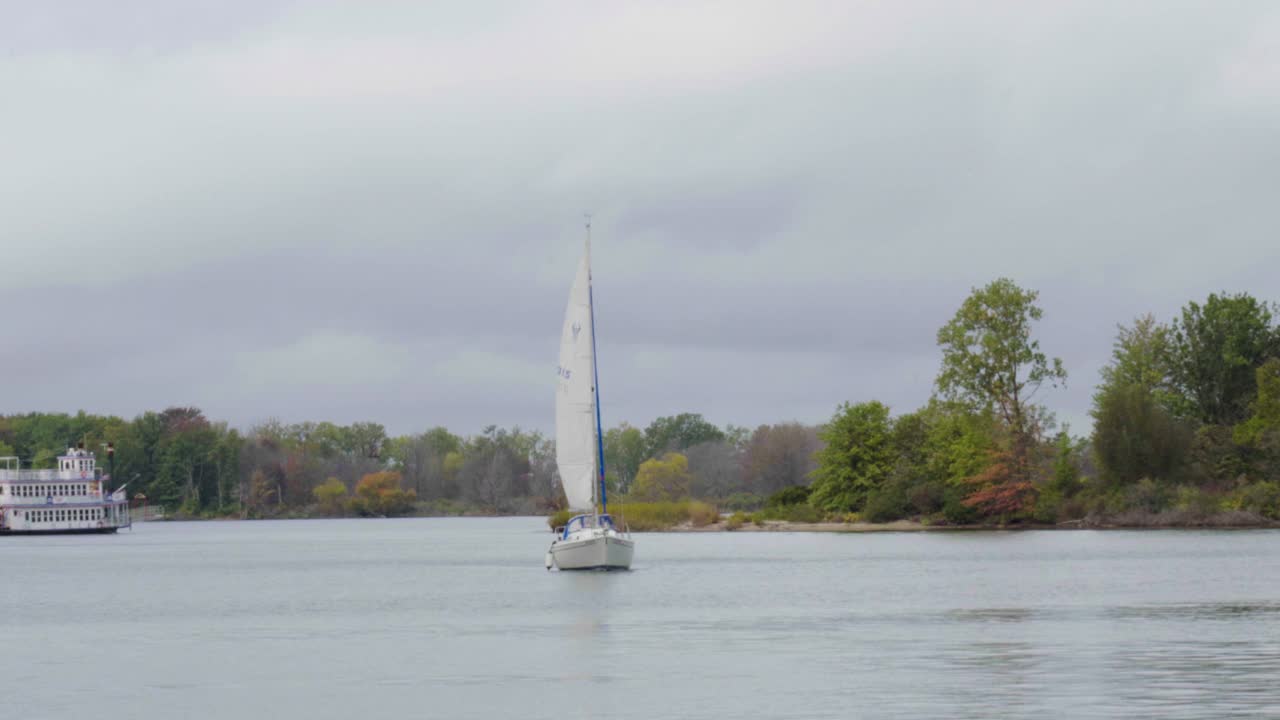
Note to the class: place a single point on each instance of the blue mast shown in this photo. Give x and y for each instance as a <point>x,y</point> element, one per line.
<point>595,373</point>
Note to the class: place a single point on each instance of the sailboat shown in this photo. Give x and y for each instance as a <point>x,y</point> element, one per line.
<point>590,540</point>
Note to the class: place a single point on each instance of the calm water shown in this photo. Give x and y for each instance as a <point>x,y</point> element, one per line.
<point>456,618</point>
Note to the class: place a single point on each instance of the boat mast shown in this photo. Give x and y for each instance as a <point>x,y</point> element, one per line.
<point>595,380</point>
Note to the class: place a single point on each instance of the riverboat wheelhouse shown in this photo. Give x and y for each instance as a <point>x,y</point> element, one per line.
<point>72,498</point>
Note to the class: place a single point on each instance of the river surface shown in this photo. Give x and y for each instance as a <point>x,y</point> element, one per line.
<point>456,618</point>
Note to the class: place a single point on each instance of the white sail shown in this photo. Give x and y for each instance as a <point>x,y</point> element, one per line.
<point>575,395</point>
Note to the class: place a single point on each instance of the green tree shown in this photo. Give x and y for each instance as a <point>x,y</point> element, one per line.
<point>1141,356</point>
<point>365,439</point>
<point>624,450</point>
<point>678,433</point>
<point>1135,435</point>
<point>990,360</point>
<point>1216,349</point>
<point>958,442</point>
<point>856,459</point>
<point>666,479</point>
<point>1265,418</point>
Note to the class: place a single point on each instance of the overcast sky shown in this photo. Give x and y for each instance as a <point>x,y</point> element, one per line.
<point>372,211</point>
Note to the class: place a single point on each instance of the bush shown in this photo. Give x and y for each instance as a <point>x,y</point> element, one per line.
<point>559,518</point>
<point>742,501</point>
<point>330,496</point>
<point>701,514</point>
<point>1262,498</point>
<point>797,495</point>
<point>886,503</point>
<point>794,513</point>
<point>1148,495</point>
<point>735,521</point>
<point>1048,505</point>
<point>954,511</point>
<point>444,507</point>
<point>1195,501</point>
<point>927,498</point>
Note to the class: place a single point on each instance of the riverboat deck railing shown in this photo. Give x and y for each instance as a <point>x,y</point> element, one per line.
<point>11,469</point>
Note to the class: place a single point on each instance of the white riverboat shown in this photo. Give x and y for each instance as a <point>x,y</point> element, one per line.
<point>72,498</point>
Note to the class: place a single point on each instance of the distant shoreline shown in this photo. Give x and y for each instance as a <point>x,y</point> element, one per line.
<point>1222,521</point>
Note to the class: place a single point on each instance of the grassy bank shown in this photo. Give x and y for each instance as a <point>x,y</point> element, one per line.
<point>649,516</point>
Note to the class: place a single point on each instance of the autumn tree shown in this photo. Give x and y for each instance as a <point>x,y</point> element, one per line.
<point>780,456</point>
<point>380,495</point>
<point>1002,490</point>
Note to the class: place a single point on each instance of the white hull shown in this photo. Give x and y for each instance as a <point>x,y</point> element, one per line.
<point>591,551</point>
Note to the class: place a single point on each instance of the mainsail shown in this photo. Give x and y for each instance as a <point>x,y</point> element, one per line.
<point>575,397</point>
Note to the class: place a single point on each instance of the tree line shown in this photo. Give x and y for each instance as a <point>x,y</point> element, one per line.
<point>193,466</point>
<point>1186,430</point>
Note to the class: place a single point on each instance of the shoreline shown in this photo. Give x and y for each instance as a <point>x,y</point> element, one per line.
<point>917,526</point>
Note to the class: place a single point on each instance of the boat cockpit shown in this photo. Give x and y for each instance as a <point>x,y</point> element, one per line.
<point>578,523</point>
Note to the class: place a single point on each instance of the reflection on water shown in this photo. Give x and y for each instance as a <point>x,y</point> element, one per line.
<point>457,618</point>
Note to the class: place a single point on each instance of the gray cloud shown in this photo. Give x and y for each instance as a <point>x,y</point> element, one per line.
<point>372,212</point>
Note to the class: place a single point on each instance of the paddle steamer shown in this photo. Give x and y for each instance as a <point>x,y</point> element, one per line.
<point>73,498</point>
